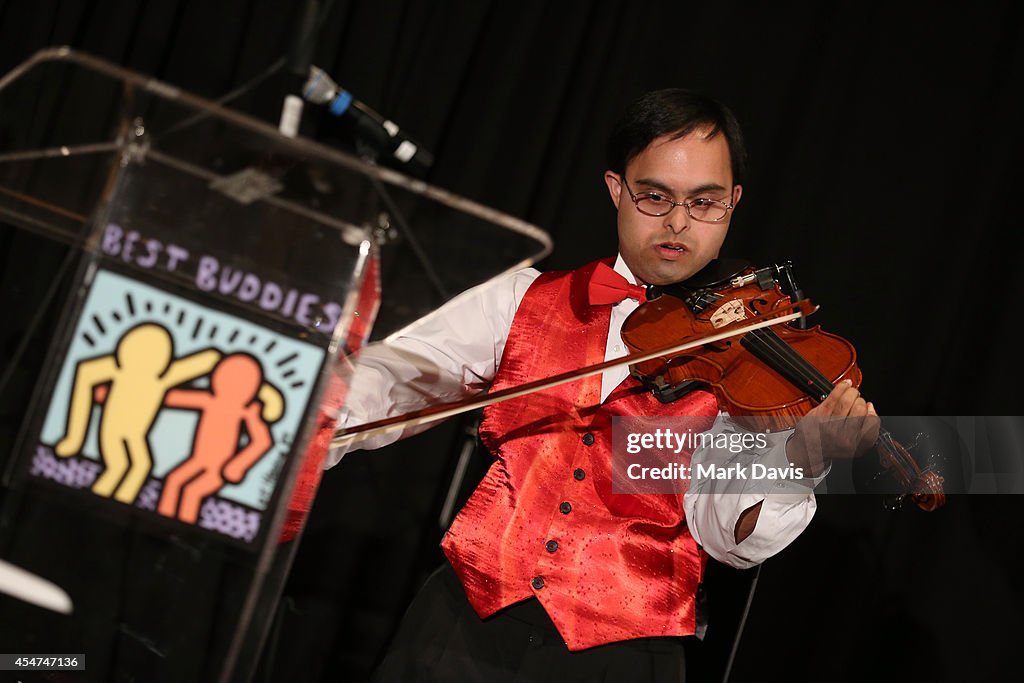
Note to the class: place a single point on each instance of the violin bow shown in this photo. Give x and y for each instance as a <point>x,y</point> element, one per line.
<point>352,435</point>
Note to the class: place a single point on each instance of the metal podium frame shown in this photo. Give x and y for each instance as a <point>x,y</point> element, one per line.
<point>207,273</point>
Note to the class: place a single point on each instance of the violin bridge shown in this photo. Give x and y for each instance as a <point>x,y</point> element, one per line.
<point>727,313</point>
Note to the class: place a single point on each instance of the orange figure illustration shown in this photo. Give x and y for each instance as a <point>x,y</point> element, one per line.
<point>139,373</point>
<point>237,396</point>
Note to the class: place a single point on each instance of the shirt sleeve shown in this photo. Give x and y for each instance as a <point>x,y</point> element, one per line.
<point>713,506</point>
<point>450,354</point>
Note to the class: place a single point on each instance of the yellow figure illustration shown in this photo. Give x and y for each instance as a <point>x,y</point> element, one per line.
<point>139,374</point>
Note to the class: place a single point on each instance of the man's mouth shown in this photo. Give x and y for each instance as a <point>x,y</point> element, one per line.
<point>677,247</point>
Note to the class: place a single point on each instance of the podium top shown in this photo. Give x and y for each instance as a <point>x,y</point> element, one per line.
<point>70,116</point>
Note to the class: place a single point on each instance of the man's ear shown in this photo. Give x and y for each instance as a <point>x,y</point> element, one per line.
<point>611,179</point>
<point>737,192</point>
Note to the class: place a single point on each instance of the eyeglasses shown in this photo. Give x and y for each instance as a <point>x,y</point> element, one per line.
<point>700,209</point>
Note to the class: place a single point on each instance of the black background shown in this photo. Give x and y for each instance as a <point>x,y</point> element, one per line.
<point>884,142</point>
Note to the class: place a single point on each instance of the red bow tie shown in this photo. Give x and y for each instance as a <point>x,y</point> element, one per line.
<point>608,287</point>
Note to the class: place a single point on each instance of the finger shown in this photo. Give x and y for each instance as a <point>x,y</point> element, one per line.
<point>874,428</point>
<point>870,427</point>
<point>859,408</point>
<point>831,402</point>
<point>874,423</point>
<point>846,402</point>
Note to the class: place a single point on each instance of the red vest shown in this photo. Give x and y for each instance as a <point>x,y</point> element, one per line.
<point>544,522</point>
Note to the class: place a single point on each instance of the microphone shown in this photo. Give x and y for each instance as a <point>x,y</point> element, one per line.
<point>383,135</point>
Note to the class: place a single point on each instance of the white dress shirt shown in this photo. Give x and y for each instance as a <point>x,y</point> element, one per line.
<point>455,352</point>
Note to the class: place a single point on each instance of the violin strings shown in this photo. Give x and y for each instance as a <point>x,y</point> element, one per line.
<point>899,457</point>
<point>785,360</point>
<point>824,385</point>
<point>773,350</point>
<point>821,383</point>
<point>781,363</point>
<point>815,379</point>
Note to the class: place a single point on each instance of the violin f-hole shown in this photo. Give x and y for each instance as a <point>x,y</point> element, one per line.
<point>754,303</point>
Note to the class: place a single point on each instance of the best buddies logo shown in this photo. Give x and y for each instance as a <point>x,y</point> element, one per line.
<point>173,408</point>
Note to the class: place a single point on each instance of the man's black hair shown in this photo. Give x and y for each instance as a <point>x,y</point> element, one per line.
<point>674,112</point>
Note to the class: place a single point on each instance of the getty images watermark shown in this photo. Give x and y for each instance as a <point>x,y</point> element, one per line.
<point>669,440</point>
<point>974,454</point>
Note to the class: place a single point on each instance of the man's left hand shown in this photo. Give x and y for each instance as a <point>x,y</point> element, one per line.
<point>844,426</point>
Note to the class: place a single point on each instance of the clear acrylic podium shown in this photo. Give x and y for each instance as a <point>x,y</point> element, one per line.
<point>222,268</point>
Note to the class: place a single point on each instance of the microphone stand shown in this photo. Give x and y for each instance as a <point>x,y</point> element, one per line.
<point>300,57</point>
<point>297,61</point>
<point>369,155</point>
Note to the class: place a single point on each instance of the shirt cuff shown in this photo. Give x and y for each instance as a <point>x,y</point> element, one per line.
<point>713,508</point>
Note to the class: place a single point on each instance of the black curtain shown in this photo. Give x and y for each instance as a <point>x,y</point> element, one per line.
<point>884,141</point>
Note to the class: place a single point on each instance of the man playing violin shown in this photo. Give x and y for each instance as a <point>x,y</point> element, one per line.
<point>551,575</point>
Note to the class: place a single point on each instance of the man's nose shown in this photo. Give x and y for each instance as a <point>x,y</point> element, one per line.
<point>677,220</point>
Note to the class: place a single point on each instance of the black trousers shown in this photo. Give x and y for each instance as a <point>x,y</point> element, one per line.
<point>441,638</point>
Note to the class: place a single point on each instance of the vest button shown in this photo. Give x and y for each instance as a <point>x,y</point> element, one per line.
<point>565,508</point>
<point>578,474</point>
<point>538,582</point>
<point>551,546</point>
<point>588,439</point>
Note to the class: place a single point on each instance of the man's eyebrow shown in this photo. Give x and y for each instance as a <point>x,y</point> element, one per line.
<point>658,185</point>
<point>706,187</point>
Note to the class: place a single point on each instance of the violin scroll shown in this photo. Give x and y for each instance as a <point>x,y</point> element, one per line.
<point>923,486</point>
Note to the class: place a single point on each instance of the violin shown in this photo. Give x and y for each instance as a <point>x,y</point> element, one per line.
<point>774,375</point>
